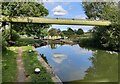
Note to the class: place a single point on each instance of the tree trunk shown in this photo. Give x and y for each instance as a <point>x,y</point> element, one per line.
<point>11,31</point>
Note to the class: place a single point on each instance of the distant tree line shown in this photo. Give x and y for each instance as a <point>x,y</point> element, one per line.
<point>69,32</point>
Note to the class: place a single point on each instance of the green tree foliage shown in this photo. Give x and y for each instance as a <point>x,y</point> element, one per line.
<point>6,36</point>
<point>15,36</point>
<point>44,32</point>
<point>30,29</point>
<point>28,9</point>
<point>53,32</point>
<point>101,10</point>
<point>107,37</point>
<point>23,9</point>
<point>60,33</point>
<point>79,31</point>
<point>69,32</point>
<point>65,33</point>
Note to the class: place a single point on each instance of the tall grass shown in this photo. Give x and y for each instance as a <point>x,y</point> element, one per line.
<point>9,66</point>
<point>31,62</point>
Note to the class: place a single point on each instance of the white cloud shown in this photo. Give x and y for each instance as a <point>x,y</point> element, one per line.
<point>58,57</point>
<point>59,11</point>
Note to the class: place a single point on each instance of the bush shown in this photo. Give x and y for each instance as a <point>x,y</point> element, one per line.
<point>108,37</point>
<point>4,44</point>
<point>27,41</point>
<point>7,39</point>
<point>4,37</point>
<point>15,36</point>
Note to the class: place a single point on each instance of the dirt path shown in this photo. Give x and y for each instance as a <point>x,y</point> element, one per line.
<point>20,67</point>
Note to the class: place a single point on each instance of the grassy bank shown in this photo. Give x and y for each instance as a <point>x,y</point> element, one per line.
<point>30,60</point>
<point>9,66</point>
<point>30,63</point>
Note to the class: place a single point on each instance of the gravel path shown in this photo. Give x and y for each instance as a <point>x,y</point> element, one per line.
<point>20,67</point>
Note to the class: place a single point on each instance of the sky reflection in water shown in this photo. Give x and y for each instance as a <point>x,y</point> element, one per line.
<point>73,63</point>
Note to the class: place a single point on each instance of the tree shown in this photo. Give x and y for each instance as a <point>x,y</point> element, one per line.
<point>107,37</point>
<point>100,10</point>
<point>44,32</point>
<point>79,31</point>
<point>29,9</point>
<point>53,32</point>
<point>30,29</point>
<point>61,34</point>
<point>58,30</point>
<point>90,30</point>
<point>70,31</point>
<point>23,9</point>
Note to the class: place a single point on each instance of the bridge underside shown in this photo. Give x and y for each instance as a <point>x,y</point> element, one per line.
<point>59,21</point>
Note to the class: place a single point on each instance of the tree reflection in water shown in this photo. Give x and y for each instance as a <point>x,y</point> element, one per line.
<point>44,57</point>
<point>104,67</point>
<point>98,65</point>
<point>53,46</point>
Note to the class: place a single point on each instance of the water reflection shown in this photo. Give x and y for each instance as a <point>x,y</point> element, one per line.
<point>44,57</point>
<point>53,46</point>
<point>73,63</point>
<point>104,69</point>
<point>58,57</point>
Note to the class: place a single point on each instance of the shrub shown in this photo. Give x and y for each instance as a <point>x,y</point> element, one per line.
<point>27,41</point>
<point>4,37</point>
<point>4,44</point>
<point>15,36</point>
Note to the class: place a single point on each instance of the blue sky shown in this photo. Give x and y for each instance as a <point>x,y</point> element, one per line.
<point>69,10</point>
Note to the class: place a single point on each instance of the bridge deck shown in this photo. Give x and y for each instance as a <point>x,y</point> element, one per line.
<point>55,21</point>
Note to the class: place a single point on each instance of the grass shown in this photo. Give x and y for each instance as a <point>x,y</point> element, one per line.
<point>9,66</point>
<point>1,56</point>
<point>30,60</point>
<point>30,63</point>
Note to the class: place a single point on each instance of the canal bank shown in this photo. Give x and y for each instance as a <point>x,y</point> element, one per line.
<point>31,63</point>
<point>55,78</point>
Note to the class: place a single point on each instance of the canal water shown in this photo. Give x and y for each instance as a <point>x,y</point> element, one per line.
<point>74,63</point>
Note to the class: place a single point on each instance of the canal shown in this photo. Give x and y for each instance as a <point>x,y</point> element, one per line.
<point>74,63</point>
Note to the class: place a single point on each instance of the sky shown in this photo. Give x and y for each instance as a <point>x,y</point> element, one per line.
<point>67,10</point>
